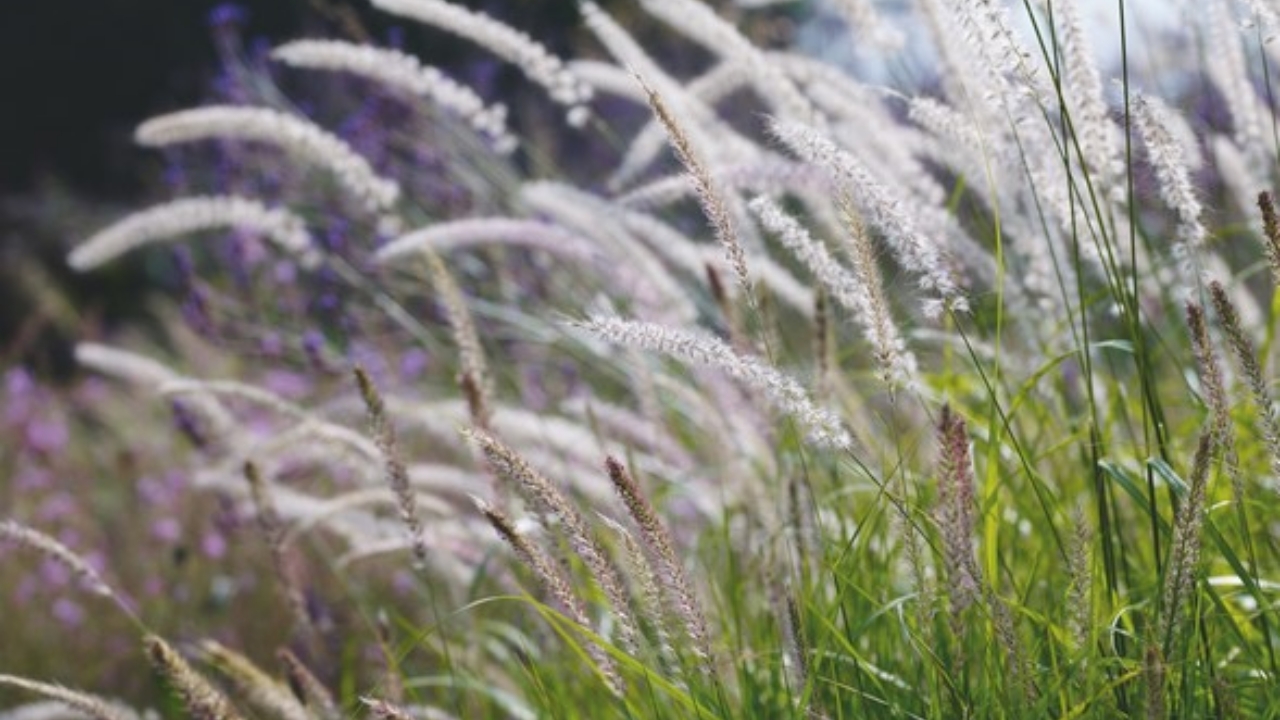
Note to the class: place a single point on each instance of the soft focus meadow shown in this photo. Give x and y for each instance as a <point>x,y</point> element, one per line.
<point>755,359</point>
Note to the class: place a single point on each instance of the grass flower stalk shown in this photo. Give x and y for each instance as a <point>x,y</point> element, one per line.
<point>1246,357</point>
<point>554,582</point>
<point>93,706</point>
<point>384,434</point>
<point>514,46</point>
<point>667,565</point>
<point>823,426</point>
<point>710,197</point>
<point>201,700</point>
<point>295,134</point>
<point>195,214</point>
<point>551,502</point>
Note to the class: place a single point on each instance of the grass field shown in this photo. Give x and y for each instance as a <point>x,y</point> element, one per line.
<point>689,377</point>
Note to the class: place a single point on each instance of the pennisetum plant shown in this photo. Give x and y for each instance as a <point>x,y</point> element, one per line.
<point>905,372</point>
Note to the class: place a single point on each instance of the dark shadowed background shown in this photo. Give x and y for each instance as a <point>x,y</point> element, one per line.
<point>77,76</point>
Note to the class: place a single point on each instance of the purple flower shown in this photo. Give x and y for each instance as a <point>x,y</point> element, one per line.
<point>227,14</point>
<point>68,612</point>
<point>47,436</point>
<point>58,505</point>
<point>335,240</point>
<point>370,359</point>
<point>286,384</point>
<point>18,383</point>
<point>161,492</point>
<point>54,574</point>
<point>404,583</point>
<point>20,390</point>
<point>27,589</point>
<point>213,545</point>
<point>187,423</point>
<point>166,529</point>
<point>413,363</point>
<point>285,272</point>
<point>92,391</point>
<point>313,344</point>
<point>32,477</point>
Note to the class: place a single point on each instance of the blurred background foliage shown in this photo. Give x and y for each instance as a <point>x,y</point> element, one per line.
<point>78,77</point>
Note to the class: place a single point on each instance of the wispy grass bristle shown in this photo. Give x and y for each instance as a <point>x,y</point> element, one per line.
<point>667,564</point>
<point>553,580</point>
<point>1246,357</point>
<point>384,434</point>
<point>258,690</point>
<point>551,502</point>
<point>49,547</point>
<point>200,699</point>
<point>710,197</point>
<point>93,706</point>
<point>307,688</point>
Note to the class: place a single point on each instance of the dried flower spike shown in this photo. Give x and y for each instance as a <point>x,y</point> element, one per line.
<point>709,194</point>
<point>553,580</point>
<point>308,688</point>
<point>550,501</point>
<point>384,434</point>
<point>823,426</point>
<point>49,547</point>
<point>669,569</point>
<point>202,700</point>
<point>194,214</point>
<point>95,707</point>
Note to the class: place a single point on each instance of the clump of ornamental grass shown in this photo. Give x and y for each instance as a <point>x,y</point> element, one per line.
<point>898,412</point>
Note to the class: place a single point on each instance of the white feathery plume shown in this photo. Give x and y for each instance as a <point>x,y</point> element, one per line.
<point>293,133</point>
<point>1228,70</point>
<point>49,547</point>
<point>1242,183</point>
<point>835,92</point>
<point>473,371</point>
<point>571,444</point>
<point>784,392</point>
<point>863,18</point>
<point>629,427</point>
<point>1099,138</point>
<point>769,174</point>
<point>330,507</point>
<point>715,204</point>
<point>700,23</point>
<point>636,271</point>
<point>125,365</point>
<point>1166,157</point>
<point>44,710</point>
<point>551,502</point>
<point>405,73</point>
<point>884,210</point>
<point>194,214</point>
<point>514,46</point>
<point>859,290</point>
<point>75,703</point>
<point>474,232</point>
<point>145,372</point>
<point>1264,14</point>
<point>985,27</point>
<point>323,439</point>
<point>606,77</point>
<point>231,388</point>
<point>647,144</point>
<point>708,131</point>
<point>959,144</point>
<point>681,252</point>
